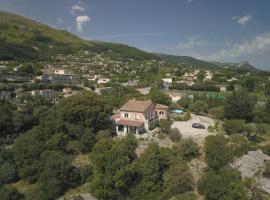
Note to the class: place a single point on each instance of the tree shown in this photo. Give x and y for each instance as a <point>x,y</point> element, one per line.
<point>159,97</point>
<point>239,105</point>
<point>186,149</point>
<point>87,110</point>
<point>165,125</point>
<point>178,179</point>
<point>6,123</point>
<point>175,135</point>
<point>222,185</point>
<point>58,174</point>
<point>215,146</point>
<point>8,173</point>
<point>267,89</point>
<point>234,126</point>
<point>112,174</point>
<point>250,84</point>
<point>199,107</point>
<point>9,193</point>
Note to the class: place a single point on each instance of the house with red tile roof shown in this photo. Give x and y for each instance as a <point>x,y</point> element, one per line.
<point>135,116</point>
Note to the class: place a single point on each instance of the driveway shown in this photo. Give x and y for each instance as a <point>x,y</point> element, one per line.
<point>198,135</point>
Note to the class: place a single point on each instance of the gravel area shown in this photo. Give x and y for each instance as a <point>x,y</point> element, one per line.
<point>198,135</point>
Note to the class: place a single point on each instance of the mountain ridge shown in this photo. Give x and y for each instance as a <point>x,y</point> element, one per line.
<point>24,38</point>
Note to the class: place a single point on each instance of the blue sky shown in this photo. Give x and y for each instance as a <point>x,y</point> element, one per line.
<point>222,30</point>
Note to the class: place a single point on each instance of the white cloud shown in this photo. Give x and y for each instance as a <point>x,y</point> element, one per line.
<point>195,41</point>
<point>242,20</point>
<point>80,20</point>
<point>77,7</point>
<point>256,47</point>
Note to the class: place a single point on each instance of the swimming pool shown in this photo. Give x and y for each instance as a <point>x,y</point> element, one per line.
<point>178,111</point>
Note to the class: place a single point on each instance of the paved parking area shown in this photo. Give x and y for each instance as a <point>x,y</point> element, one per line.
<point>197,135</point>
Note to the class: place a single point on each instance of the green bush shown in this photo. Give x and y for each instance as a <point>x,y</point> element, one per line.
<point>175,135</point>
<point>186,196</point>
<point>217,113</point>
<point>153,124</point>
<point>165,125</point>
<point>266,172</point>
<point>234,126</point>
<point>187,116</point>
<point>9,193</point>
<point>211,129</point>
<point>198,107</point>
<point>178,118</point>
<point>161,136</point>
<point>8,173</point>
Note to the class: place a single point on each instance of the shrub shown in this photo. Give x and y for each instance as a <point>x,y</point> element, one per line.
<point>161,136</point>
<point>165,125</point>
<point>187,116</point>
<point>8,173</point>
<point>153,124</point>
<point>178,118</point>
<point>175,135</point>
<point>199,107</point>
<point>186,196</point>
<point>187,149</point>
<point>250,128</point>
<point>211,129</point>
<point>262,129</point>
<point>234,126</point>
<point>266,172</point>
<point>217,113</point>
<point>9,193</point>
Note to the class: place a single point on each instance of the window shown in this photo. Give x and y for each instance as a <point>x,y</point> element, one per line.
<point>136,116</point>
<point>161,113</point>
<point>126,115</point>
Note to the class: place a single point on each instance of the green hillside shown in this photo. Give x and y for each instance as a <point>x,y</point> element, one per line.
<point>187,61</point>
<point>25,39</point>
<point>22,38</point>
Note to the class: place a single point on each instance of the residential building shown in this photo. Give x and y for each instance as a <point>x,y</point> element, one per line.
<point>135,116</point>
<point>61,71</point>
<point>61,78</point>
<point>103,90</point>
<point>47,94</point>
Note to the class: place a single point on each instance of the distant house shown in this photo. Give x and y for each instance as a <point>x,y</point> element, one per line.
<point>61,71</point>
<point>6,94</point>
<point>67,91</point>
<point>144,91</point>
<point>103,90</point>
<point>61,78</point>
<point>222,88</point>
<point>47,94</point>
<point>103,80</point>
<point>176,96</point>
<point>167,82</point>
<point>16,78</point>
<point>135,116</point>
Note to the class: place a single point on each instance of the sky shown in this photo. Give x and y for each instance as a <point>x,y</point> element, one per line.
<point>214,30</point>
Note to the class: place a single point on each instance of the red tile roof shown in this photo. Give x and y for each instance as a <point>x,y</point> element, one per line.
<point>129,122</point>
<point>160,106</point>
<point>136,106</point>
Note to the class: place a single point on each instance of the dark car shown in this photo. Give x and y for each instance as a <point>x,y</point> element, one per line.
<point>198,125</point>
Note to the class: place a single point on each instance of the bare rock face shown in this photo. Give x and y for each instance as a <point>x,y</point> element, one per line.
<point>251,165</point>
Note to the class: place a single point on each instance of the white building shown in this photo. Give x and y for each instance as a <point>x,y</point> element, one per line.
<point>60,71</point>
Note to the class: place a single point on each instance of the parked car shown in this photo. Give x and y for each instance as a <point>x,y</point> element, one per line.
<point>198,125</point>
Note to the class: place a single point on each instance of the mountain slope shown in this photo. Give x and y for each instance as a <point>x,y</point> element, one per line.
<point>23,38</point>
<point>188,61</point>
